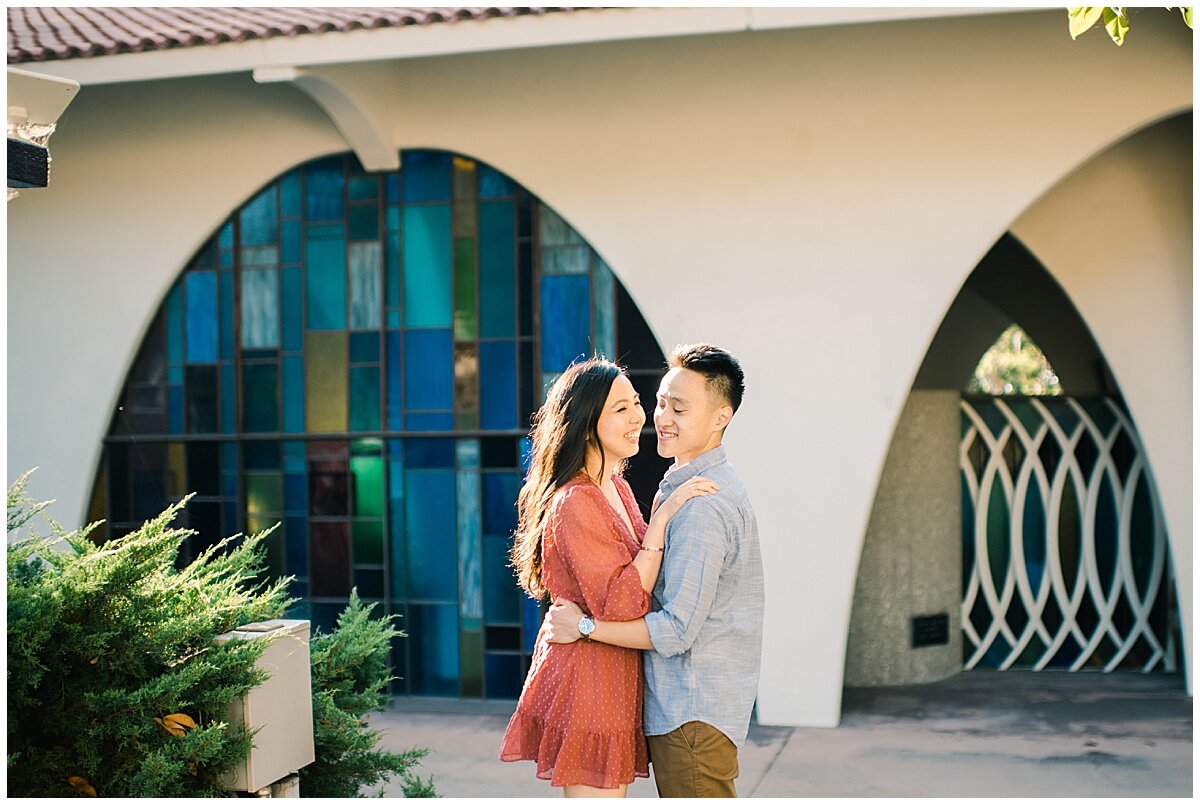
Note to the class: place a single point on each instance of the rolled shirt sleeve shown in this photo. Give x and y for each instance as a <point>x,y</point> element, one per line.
<point>697,544</point>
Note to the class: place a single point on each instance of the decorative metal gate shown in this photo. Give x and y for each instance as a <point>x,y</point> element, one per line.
<point>1065,562</point>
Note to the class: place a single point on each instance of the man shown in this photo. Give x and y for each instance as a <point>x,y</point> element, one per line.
<point>703,641</point>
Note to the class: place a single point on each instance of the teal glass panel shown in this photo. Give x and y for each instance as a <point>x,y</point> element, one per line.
<point>229,469</point>
<point>295,457</point>
<point>566,260</point>
<point>228,398</point>
<point>425,176</point>
<point>497,270</point>
<point>364,188</point>
<point>391,218</point>
<point>429,381</point>
<point>293,310</point>
<point>364,286</point>
<point>998,534</point>
<point>395,504</point>
<point>470,564</point>
<point>500,490</point>
<point>175,402</point>
<point>260,397</point>
<point>393,318</point>
<point>501,599</point>
<point>264,492</point>
<point>225,236</point>
<point>498,384</point>
<point>368,543</point>
<point>175,324</point>
<point>201,399</point>
<point>392,270</point>
<point>293,394</point>
<point>427,266</point>
<point>289,192</point>
<point>364,398</point>
<point>326,267</point>
<point>604,336</point>
<point>291,242</point>
<point>259,219</point>
<point>1033,534</point>
<point>493,184</point>
<point>395,377</point>
<point>201,316</point>
<point>260,308</point>
<point>525,287</point>
<point>368,485</point>
<point>466,452</point>
<point>364,222</point>
<point>566,324</point>
<point>554,231</point>
<point>260,455</point>
<point>225,282</point>
<point>429,527</point>
<point>324,188</point>
<point>364,347</point>
<point>433,644</point>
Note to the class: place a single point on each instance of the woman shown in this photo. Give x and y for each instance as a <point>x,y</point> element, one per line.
<point>581,536</point>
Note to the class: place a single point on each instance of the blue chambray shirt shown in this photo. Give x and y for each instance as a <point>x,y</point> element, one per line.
<point>707,634</point>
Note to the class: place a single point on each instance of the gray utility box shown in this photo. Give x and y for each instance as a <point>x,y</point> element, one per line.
<point>280,708</point>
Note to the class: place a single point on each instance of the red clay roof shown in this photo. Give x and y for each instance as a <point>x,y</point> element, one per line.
<point>41,34</point>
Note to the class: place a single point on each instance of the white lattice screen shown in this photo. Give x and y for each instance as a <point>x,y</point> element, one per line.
<point>1065,559</point>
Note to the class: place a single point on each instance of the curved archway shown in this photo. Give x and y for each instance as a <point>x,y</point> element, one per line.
<point>357,356</point>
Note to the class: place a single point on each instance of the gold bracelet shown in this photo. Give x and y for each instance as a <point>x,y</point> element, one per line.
<point>656,550</point>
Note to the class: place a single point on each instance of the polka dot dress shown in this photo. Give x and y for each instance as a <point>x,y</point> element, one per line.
<point>580,712</point>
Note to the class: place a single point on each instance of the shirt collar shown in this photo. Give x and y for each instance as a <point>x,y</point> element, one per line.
<point>702,462</point>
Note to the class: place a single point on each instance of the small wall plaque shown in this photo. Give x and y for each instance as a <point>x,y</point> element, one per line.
<point>930,630</point>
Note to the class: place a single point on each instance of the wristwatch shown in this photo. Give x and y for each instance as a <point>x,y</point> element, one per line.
<point>586,626</point>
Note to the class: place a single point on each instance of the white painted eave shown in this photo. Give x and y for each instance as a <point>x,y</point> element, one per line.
<point>467,36</point>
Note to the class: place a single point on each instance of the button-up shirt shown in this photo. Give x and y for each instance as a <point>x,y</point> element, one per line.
<point>707,634</point>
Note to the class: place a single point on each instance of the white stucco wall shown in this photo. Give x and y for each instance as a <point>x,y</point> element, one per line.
<point>811,199</point>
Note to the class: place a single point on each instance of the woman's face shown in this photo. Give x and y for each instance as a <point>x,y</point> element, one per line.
<point>621,421</point>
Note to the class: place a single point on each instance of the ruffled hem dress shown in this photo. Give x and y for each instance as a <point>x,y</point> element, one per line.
<point>580,711</point>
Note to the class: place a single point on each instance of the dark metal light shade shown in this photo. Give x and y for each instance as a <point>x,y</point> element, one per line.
<point>28,164</point>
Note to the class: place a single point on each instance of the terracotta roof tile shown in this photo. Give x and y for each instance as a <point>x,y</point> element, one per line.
<point>41,34</point>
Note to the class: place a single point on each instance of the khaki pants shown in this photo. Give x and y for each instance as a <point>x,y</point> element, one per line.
<point>695,760</point>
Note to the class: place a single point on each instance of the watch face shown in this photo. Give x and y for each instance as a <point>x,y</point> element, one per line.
<point>586,625</point>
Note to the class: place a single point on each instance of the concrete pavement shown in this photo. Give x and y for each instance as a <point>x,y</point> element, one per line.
<point>978,734</point>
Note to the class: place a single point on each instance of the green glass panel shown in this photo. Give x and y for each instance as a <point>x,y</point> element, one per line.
<point>427,266</point>
<point>364,222</point>
<point>326,277</point>
<point>368,542</point>
<point>260,308</point>
<point>369,495</point>
<point>325,383</point>
<point>364,398</point>
<point>364,286</point>
<point>466,310</point>
<point>497,270</point>
<point>998,534</point>
<point>1026,414</point>
<point>466,218</point>
<point>264,493</point>
<point>463,178</point>
<point>471,663</point>
<point>260,397</point>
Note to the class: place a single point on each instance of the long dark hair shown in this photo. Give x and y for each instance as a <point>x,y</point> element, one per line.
<point>561,431</point>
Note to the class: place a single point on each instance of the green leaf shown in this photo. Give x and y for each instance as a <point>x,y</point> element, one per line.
<point>1080,18</point>
<point>1186,11</point>
<point>1117,24</point>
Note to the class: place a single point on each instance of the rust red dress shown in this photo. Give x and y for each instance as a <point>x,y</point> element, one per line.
<point>580,712</point>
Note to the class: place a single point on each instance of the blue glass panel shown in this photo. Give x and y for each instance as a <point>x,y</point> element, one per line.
<point>225,236</point>
<point>502,673</point>
<point>201,399</point>
<point>289,190</point>
<point>493,184</point>
<point>500,491</point>
<point>326,277</point>
<point>291,242</point>
<point>419,423</point>
<point>295,492</point>
<point>296,536</point>
<point>604,339</point>
<point>364,398</point>
<point>364,286</point>
<point>433,643</point>
<point>293,394</point>
<point>470,570</point>
<point>395,400</point>
<point>260,308</point>
<point>392,269</point>
<point>259,220</point>
<point>427,266</point>
<point>531,616</point>
<point>324,185</point>
<point>392,188</point>
<point>174,409</point>
<point>260,397</point>
<point>426,453</point>
<point>295,457</point>
<point>566,321</point>
<point>201,316</point>
<point>497,270</point>
<point>425,176</point>
<point>429,525</point>
<point>526,453</point>
<point>364,222</point>
<point>498,384</point>
<point>364,347</point>
<point>501,601</point>
<point>230,520</point>
<point>293,310</point>
<point>226,315</point>
<point>175,324</point>
<point>429,380</point>
<point>229,420</point>
<point>1033,532</point>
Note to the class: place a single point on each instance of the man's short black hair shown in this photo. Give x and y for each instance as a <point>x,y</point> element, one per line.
<point>720,369</point>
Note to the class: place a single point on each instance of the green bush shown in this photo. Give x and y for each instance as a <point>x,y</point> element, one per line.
<point>116,688</point>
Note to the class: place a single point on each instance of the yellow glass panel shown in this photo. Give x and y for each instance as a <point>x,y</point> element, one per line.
<point>176,470</point>
<point>325,383</point>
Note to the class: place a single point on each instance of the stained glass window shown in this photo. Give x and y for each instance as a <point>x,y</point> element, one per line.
<point>356,357</point>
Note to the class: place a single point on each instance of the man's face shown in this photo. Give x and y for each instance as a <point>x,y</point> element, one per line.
<point>687,416</point>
